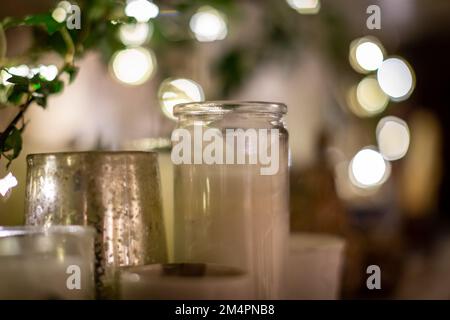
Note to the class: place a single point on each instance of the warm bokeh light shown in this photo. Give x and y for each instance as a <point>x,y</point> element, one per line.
<point>370,96</point>
<point>174,91</point>
<point>22,70</point>
<point>135,34</point>
<point>49,72</point>
<point>305,6</point>
<point>366,54</point>
<point>368,168</point>
<point>141,10</point>
<point>59,14</point>
<point>208,24</point>
<point>66,5</point>
<point>7,183</point>
<point>133,66</point>
<point>396,78</point>
<point>393,138</point>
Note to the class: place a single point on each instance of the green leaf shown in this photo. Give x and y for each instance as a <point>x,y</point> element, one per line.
<point>19,80</point>
<point>50,87</point>
<point>4,94</point>
<point>72,71</point>
<point>17,93</point>
<point>45,20</point>
<point>13,144</point>
<point>42,101</point>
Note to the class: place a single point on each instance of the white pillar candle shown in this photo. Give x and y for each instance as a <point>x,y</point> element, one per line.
<point>186,282</point>
<point>313,268</point>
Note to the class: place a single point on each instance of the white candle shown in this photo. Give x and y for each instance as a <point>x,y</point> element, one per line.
<point>42,278</point>
<point>186,282</point>
<point>313,268</point>
<point>232,215</point>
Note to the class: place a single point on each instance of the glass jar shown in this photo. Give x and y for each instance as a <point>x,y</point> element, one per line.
<point>232,189</point>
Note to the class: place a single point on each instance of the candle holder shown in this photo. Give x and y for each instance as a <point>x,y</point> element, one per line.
<point>47,263</point>
<point>185,281</point>
<point>117,193</point>
<point>232,189</point>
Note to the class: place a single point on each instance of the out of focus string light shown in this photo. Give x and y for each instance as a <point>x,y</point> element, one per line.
<point>135,34</point>
<point>370,96</point>
<point>368,169</point>
<point>133,66</point>
<point>208,25</point>
<point>305,6</point>
<point>366,99</point>
<point>48,72</point>
<point>393,138</point>
<point>396,78</point>
<point>7,183</point>
<point>62,11</point>
<point>366,54</point>
<point>174,91</point>
<point>141,10</point>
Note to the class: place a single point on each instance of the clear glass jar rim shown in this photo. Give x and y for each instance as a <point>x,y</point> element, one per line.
<point>91,153</point>
<point>32,230</point>
<point>222,107</point>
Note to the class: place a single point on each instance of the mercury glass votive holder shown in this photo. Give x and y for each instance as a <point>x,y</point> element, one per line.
<point>47,263</point>
<point>117,193</point>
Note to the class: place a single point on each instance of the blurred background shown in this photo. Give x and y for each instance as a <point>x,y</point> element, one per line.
<point>367,92</point>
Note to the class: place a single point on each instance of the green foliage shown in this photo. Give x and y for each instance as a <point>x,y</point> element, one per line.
<point>13,145</point>
<point>72,71</point>
<point>21,91</point>
<point>45,20</point>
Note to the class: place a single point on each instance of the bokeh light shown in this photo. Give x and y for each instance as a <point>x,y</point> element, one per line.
<point>305,6</point>
<point>49,72</point>
<point>21,70</point>
<point>7,183</point>
<point>135,34</point>
<point>393,138</point>
<point>208,24</point>
<point>133,66</point>
<point>141,10</point>
<point>366,54</point>
<point>396,78</point>
<point>66,5</point>
<point>174,91</point>
<point>59,15</point>
<point>368,169</point>
<point>370,96</point>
